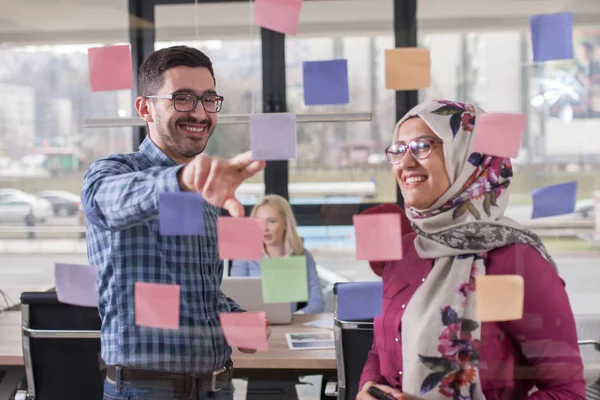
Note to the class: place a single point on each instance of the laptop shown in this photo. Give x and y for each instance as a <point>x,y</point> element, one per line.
<point>247,292</point>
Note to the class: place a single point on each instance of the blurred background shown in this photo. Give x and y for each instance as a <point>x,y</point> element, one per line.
<point>481,53</point>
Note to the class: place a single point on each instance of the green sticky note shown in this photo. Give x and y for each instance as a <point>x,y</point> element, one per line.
<point>284,280</point>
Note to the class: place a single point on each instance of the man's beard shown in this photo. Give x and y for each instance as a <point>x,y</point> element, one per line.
<point>171,136</point>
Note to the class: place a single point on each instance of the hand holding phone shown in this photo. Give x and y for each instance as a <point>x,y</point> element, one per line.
<point>380,394</point>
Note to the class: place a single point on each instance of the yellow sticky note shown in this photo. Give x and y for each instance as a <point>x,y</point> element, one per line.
<point>499,297</point>
<point>407,68</point>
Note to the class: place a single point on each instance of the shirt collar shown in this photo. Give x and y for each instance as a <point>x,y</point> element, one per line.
<point>156,156</point>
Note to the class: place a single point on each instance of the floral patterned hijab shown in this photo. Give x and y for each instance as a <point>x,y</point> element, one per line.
<point>440,335</point>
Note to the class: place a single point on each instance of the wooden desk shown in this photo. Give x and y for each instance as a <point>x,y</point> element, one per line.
<point>11,352</point>
<point>280,356</point>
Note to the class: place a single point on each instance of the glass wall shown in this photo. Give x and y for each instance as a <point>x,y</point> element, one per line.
<point>44,149</point>
<point>235,50</point>
<point>346,153</point>
<point>492,67</point>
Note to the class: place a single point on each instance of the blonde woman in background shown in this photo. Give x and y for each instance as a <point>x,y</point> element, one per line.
<point>281,239</point>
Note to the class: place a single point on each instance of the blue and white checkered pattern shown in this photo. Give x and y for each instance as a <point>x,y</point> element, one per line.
<point>120,197</point>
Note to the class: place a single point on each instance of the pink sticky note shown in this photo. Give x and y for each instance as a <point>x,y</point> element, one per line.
<point>110,68</point>
<point>278,15</point>
<point>499,134</point>
<point>247,330</point>
<point>240,238</point>
<point>157,305</point>
<point>378,237</point>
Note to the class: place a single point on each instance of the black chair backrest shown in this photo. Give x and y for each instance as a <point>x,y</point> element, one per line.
<point>356,346</point>
<point>357,340</point>
<point>64,368</point>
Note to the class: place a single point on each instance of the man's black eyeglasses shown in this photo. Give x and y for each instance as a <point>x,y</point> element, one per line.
<point>211,103</point>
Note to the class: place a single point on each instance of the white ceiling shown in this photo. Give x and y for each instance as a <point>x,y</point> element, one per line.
<point>106,21</point>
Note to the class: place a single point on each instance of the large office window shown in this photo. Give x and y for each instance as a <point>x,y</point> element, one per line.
<point>491,65</point>
<point>235,50</point>
<point>45,98</point>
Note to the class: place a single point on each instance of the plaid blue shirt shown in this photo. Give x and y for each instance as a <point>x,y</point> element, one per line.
<point>120,198</point>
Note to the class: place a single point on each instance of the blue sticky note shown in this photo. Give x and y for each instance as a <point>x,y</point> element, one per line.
<point>273,136</point>
<point>554,200</point>
<point>325,82</point>
<point>552,36</point>
<point>181,214</point>
<point>357,301</point>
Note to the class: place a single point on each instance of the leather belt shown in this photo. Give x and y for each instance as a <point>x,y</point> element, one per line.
<point>182,383</point>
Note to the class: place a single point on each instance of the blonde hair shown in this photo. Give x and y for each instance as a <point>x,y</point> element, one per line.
<point>292,242</point>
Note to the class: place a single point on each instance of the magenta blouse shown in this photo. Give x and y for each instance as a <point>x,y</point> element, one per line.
<point>538,351</point>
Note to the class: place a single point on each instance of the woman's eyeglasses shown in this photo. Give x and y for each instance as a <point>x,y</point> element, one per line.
<point>211,103</point>
<point>419,148</point>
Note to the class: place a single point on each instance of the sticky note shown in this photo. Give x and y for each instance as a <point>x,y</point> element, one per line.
<point>554,200</point>
<point>278,15</point>
<point>157,305</point>
<point>284,280</point>
<point>273,136</point>
<point>247,330</point>
<point>325,82</point>
<point>110,68</point>
<point>499,134</point>
<point>181,214</point>
<point>378,237</point>
<point>552,36</point>
<point>358,301</point>
<point>407,69</point>
<point>499,297</point>
<point>76,284</point>
<point>240,238</point>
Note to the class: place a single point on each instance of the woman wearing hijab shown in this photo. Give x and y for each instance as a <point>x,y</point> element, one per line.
<point>427,342</point>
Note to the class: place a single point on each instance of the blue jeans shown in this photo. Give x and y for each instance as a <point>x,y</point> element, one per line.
<point>158,390</point>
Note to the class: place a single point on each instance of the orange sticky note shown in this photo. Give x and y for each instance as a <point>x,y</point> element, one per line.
<point>247,330</point>
<point>378,237</point>
<point>240,238</point>
<point>157,305</point>
<point>110,68</point>
<point>499,134</point>
<point>407,68</point>
<point>499,297</point>
<point>278,15</point>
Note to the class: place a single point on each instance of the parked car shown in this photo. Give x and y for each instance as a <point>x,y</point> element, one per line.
<point>585,208</point>
<point>7,192</point>
<point>64,204</point>
<point>16,209</point>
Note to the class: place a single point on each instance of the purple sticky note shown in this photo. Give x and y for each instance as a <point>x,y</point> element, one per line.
<point>273,136</point>
<point>181,214</point>
<point>76,284</point>
<point>549,201</point>
<point>552,36</point>
<point>325,82</point>
<point>358,301</point>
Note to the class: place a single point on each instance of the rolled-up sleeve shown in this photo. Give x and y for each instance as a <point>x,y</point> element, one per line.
<point>315,304</point>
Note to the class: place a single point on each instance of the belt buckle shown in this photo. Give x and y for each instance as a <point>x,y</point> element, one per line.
<point>213,379</point>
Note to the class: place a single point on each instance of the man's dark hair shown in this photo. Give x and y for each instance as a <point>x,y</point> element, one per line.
<point>151,78</point>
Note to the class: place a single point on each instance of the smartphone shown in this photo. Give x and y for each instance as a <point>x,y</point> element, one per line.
<point>380,394</point>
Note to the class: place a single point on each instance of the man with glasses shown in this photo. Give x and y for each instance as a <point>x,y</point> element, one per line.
<point>178,100</point>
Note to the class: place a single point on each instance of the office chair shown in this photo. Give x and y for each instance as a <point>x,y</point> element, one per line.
<point>353,341</point>
<point>61,349</point>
